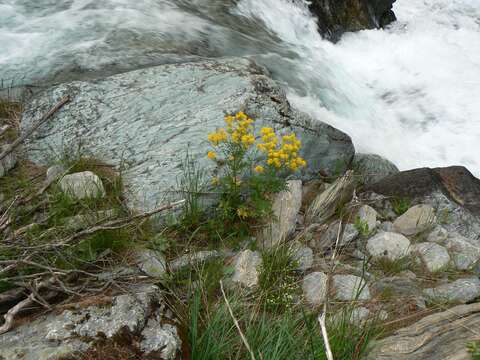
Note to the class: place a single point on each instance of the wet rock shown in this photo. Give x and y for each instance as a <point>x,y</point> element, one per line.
<point>373,168</point>
<point>285,207</point>
<point>416,220</point>
<point>315,288</point>
<point>434,256</point>
<point>151,263</point>
<point>82,185</point>
<point>8,162</point>
<point>389,245</point>
<point>367,215</point>
<point>150,119</point>
<point>304,257</point>
<point>350,287</point>
<point>247,266</point>
<point>438,336</point>
<point>338,16</point>
<point>459,291</point>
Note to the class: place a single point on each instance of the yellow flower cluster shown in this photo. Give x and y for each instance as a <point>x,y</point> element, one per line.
<point>239,130</point>
<point>281,155</point>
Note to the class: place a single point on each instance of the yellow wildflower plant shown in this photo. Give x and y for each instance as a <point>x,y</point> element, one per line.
<point>251,166</point>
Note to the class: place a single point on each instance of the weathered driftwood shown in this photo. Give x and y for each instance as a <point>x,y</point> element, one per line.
<point>326,203</point>
<point>443,336</point>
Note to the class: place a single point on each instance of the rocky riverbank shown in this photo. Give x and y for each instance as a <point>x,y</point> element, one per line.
<point>89,271</point>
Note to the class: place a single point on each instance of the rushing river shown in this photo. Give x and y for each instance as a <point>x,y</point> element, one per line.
<point>410,93</point>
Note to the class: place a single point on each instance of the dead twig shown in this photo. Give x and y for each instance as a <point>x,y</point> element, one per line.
<point>30,131</point>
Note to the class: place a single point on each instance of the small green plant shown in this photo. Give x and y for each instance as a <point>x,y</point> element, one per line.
<point>362,227</point>
<point>392,267</point>
<point>474,349</point>
<point>400,205</point>
<point>278,280</point>
<point>247,177</point>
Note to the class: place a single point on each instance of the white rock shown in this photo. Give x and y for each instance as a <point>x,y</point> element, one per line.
<point>8,162</point>
<point>315,288</point>
<point>54,172</point>
<point>464,254</point>
<point>417,219</point>
<point>247,265</point>
<point>304,257</point>
<point>82,185</point>
<point>438,235</point>
<point>162,338</point>
<point>434,256</point>
<point>151,263</point>
<point>390,245</point>
<point>286,206</point>
<point>350,287</point>
<point>459,291</point>
<point>368,216</point>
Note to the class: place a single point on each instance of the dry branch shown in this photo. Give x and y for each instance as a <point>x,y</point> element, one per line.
<point>30,131</point>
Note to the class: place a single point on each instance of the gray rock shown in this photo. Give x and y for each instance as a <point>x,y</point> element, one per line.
<point>304,257</point>
<point>434,256</point>
<point>82,185</point>
<point>398,286</point>
<point>160,338</point>
<point>247,266</point>
<point>390,245</point>
<point>438,336</point>
<point>463,251</point>
<point>151,263</point>
<point>438,235</point>
<point>367,215</point>
<point>350,287</point>
<point>315,288</point>
<point>329,238</point>
<point>417,219</point>
<point>8,162</point>
<point>52,336</point>
<point>54,172</point>
<point>147,117</point>
<point>373,167</point>
<point>286,206</point>
<point>387,226</point>
<point>193,259</point>
<point>459,291</point>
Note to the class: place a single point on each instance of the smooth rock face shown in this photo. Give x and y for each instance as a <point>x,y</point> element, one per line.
<point>434,256</point>
<point>54,172</point>
<point>459,291</point>
<point>368,216</point>
<point>51,336</point>
<point>151,263</point>
<point>145,120</point>
<point>304,257</point>
<point>438,336</point>
<point>373,168</point>
<point>350,287</point>
<point>390,245</point>
<point>82,185</point>
<point>286,206</point>
<point>7,163</point>
<point>247,266</point>
<point>417,219</point>
<point>338,16</point>
<point>315,288</point>
<point>465,253</point>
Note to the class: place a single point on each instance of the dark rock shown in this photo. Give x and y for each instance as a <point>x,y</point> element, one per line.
<point>338,16</point>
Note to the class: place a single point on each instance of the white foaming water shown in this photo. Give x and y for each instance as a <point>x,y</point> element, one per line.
<point>410,93</point>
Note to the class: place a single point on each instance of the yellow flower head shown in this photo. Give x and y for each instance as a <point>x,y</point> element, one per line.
<point>243,212</point>
<point>211,155</point>
<point>259,169</point>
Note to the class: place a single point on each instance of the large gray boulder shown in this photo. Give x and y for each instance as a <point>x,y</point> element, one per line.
<point>373,168</point>
<point>52,336</point>
<point>459,291</point>
<point>146,120</point>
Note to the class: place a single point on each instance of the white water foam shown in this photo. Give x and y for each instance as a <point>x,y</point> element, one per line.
<point>410,93</point>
